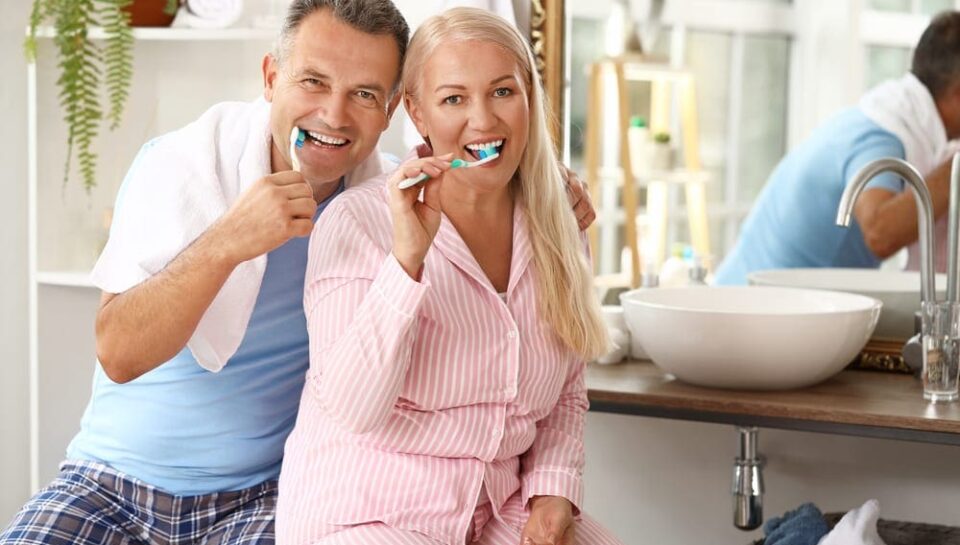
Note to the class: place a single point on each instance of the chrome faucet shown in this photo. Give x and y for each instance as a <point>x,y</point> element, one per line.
<point>953,231</point>
<point>748,481</point>
<point>921,195</point>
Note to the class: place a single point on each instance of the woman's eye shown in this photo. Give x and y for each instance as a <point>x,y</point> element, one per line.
<point>502,92</point>
<point>452,99</point>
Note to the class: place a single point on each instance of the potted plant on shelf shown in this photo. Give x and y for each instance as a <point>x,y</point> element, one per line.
<point>85,65</point>
<point>661,154</point>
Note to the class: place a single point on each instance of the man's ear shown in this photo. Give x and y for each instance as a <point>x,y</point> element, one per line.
<point>270,68</point>
<point>416,115</point>
<point>391,108</point>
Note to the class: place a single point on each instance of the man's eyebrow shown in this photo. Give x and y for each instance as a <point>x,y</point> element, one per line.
<point>372,87</point>
<point>461,87</point>
<point>310,72</point>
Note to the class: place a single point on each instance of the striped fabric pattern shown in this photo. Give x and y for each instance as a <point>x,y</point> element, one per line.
<point>422,394</point>
<point>495,531</point>
<point>91,504</point>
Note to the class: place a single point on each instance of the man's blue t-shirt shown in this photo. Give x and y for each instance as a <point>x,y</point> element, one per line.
<point>793,222</point>
<point>189,431</point>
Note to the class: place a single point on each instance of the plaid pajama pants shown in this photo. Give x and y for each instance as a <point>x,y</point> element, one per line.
<point>90,503</point>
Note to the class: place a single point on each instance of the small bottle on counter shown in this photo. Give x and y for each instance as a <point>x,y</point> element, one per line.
<point>697,273</point>
<point>638,138</point>
<point>674,273</point>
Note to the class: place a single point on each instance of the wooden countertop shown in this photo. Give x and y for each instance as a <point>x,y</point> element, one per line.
<point>871,404</point>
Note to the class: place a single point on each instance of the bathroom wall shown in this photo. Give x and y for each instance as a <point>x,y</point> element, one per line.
<point>14,446</point>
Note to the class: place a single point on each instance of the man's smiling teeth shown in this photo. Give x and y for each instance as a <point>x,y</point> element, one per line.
<point>324,139</point>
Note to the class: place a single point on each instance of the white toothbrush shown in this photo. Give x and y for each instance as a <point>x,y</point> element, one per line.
<point>297,138</point>
<point>456,163</point>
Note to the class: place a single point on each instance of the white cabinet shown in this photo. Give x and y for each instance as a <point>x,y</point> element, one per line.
<point>178,73</point>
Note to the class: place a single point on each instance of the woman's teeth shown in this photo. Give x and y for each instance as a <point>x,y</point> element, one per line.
<point>480,151</point>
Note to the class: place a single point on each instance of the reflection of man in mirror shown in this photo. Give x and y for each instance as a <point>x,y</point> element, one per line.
<point>201,335</point>
<point>917,118</point>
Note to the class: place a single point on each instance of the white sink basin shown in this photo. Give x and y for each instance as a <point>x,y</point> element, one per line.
<point>754,338</point>
<point>899,291</point>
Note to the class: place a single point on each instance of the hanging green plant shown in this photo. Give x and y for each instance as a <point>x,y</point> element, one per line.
<point>85,65</point>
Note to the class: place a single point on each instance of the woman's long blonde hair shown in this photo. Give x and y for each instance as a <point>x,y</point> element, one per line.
<point>565,285</point>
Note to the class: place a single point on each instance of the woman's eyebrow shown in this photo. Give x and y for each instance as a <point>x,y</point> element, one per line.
<point>461,87</point>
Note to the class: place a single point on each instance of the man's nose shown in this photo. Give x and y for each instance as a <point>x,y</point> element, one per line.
<point>333,111</point>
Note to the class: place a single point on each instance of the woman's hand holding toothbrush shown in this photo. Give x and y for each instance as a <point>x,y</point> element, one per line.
<point>415,221</point>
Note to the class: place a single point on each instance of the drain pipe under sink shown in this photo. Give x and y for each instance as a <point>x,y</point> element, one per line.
<point>748,482</point>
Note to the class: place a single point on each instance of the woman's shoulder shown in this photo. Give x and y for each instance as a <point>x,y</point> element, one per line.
<point>366,201</point>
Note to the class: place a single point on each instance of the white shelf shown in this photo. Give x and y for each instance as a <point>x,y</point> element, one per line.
<point>644,178</point>
<point>178,33</point>
<point>76,279</point>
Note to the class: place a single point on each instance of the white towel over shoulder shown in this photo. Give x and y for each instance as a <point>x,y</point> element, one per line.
<point>179,185</point>
<point>906,108</point>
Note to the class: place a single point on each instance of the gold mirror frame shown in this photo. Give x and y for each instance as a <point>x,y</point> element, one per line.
<point>546,40</point>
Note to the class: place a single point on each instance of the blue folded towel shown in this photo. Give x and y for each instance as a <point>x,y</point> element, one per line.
<point>804,525</point>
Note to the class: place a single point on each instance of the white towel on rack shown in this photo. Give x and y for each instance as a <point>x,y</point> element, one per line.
<point>857,527</point>
<point>210,13</point>
<point>178,186</point>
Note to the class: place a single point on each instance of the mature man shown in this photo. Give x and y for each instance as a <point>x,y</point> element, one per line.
<point>913,118</point>
<point>204,272</point>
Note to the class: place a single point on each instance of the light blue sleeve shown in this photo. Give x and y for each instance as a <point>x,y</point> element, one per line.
<point>131,172</point>
<point>877,144</point>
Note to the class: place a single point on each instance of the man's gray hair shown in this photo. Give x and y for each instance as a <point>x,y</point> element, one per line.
<point>379,17</point>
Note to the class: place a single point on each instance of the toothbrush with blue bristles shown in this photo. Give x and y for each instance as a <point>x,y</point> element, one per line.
<point>486,155</point>
<point>297,138</point>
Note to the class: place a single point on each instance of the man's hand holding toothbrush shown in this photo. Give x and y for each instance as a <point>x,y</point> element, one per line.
<point>415,221</point>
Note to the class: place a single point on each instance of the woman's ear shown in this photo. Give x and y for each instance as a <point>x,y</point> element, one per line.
<point>416,115</point>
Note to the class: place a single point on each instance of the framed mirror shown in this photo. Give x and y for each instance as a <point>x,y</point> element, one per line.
<point>546,38</point>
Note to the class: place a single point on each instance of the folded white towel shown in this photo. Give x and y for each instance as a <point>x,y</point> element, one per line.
<point>177,187</point>
<point>858,527</point>
<point>210,13</point>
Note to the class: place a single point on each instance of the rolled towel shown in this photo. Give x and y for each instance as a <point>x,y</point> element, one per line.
<point>804,525</point>
<point>210,13</point>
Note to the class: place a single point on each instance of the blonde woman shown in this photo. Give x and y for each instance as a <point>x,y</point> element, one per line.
<point>448,334</point>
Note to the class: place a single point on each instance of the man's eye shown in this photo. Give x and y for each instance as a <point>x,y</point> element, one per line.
<point>502,92</point>
<point>452,99</point>
<point>366,95</point>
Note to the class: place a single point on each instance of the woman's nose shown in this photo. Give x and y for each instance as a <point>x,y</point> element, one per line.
<point>482,116</point>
